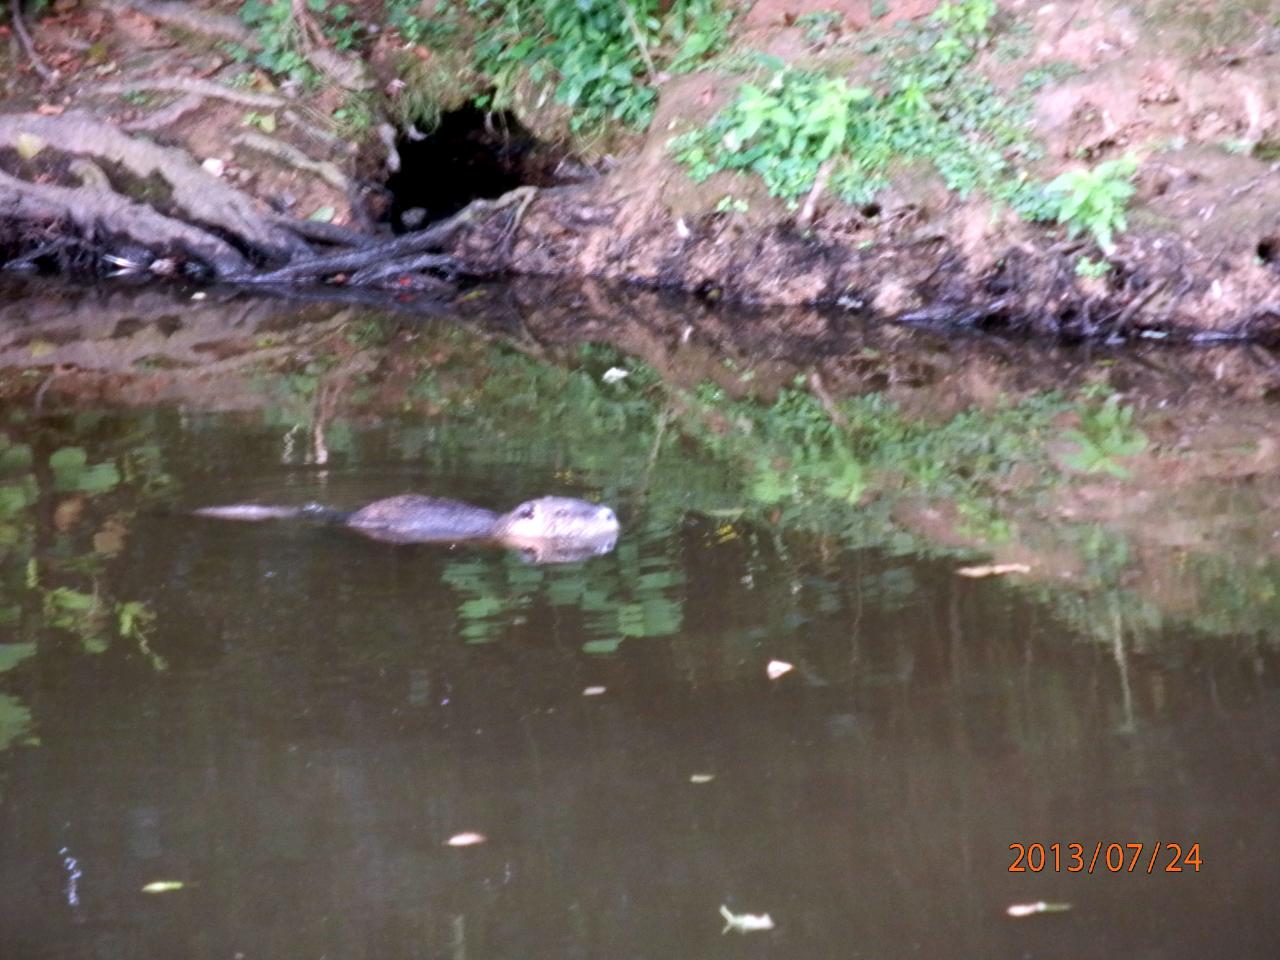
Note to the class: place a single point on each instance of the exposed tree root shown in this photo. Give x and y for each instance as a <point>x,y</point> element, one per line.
<point>197,197</point>
<point>80,188</point>
<point>101,214</point>
<point>190,85</point>
<point>186,16</point>
<point>28,46</point>
<point>401,256</point>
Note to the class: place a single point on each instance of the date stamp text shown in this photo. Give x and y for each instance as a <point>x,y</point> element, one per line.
<point>1102,857</point>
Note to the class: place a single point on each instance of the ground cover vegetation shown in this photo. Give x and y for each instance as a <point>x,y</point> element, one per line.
<point>799,129</point>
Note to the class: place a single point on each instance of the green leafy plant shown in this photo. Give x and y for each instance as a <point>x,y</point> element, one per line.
<point>280,37</point>
<point>598,57</point>
<point>1094,201</point>
<point>1106,432</point>
<point>1093,269</point>
<point>818,25</point>
<point>927,106</point>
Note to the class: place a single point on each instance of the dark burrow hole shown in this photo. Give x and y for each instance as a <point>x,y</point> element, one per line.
<point>470,155</point>
<point>1269,251</point>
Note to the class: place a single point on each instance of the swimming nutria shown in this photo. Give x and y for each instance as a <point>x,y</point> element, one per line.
<point>545,530</point>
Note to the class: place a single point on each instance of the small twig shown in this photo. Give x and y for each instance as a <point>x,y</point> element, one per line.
<point>1138,302</point>
<point>811,201</point>
<point>639,38</point>
<point>28,47</point>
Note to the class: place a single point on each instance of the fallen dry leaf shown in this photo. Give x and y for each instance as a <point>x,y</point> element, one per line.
<point>994,570</point>
<point>778,668</point>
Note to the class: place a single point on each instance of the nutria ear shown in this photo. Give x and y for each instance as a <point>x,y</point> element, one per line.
<point>526,510</point>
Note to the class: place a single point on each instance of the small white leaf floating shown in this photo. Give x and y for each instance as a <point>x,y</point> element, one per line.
<point>745,922</point>
<point>214,166</point>
<point>778,668</point>
<point>614,374</point>
<point>1030,909</point>
<point>163,886</point>
<point>467,839</point>
<point>994,570</point>
<point>702,778</point>
<point>593,691</point>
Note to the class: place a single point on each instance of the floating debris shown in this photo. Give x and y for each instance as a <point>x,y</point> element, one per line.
<point>778,668</point>
<point>994,570</point>
<point>702,777</point>
<point>593,691</point>
<point>467,839</point>
<point>745,922</point>
<point>164,886</point>
<point>1030,909</point>
<point>614,374</point>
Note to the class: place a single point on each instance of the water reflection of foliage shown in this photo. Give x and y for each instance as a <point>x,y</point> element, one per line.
<point>625,595</point>
<point>798,463</point>
<point>51,564</point>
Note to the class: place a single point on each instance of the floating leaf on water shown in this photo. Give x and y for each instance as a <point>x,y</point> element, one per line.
<point>467,839</point>
<point>602,646</point>
<point>1030,909</point>
<point>993,570</point>
<point>587,692</point>
<point>778,668</point>
<point>614,374</point>
<point>745,922</point>
<point>701,777</point>
<point>163,886</point>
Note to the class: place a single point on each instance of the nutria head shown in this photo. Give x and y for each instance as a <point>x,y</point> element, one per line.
<point>562,521</point>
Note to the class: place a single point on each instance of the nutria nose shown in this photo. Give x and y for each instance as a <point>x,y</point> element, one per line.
<point>608,515</point>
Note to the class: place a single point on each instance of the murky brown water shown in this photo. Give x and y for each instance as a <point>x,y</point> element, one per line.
<point>307,717</point>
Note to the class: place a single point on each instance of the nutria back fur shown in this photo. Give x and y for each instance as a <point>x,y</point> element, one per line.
<point>546,529</point>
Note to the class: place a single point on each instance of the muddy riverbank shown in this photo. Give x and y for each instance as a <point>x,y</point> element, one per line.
<point>935,195</point>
